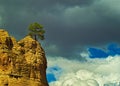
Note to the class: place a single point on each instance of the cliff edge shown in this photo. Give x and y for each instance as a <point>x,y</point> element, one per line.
<point>22,63</point>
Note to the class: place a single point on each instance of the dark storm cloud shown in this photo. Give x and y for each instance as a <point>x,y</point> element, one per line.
<point>69,24</point>
<point>19,13</point>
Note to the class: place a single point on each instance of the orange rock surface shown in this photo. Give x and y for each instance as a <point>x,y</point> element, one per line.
<point>22,63</point>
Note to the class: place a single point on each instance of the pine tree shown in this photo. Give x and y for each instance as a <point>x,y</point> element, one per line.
<point>36,31</point>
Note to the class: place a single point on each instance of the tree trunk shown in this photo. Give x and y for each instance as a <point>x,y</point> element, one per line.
<point>35,37</point>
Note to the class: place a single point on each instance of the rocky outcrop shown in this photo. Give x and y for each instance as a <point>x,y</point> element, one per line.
<point>22,63</point>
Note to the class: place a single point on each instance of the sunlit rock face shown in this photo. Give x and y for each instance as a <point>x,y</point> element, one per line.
<point>22,63</point>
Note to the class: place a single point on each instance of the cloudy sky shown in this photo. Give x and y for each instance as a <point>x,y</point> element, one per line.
<point>75,29</point>
<point>70,25</point>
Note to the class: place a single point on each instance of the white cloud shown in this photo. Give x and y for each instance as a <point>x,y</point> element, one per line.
<point>94,72</point>
<point>84,54</point>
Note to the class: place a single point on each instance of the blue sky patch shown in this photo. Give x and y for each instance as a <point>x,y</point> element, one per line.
<point>97,53</point>
<point>50,77</point>
<point>53,73</point>
<point>111,50</point>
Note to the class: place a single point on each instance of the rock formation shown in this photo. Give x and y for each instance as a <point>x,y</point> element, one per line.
<point>22,63</point>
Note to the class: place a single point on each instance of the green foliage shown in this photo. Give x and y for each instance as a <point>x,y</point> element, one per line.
<point>36,30</point>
